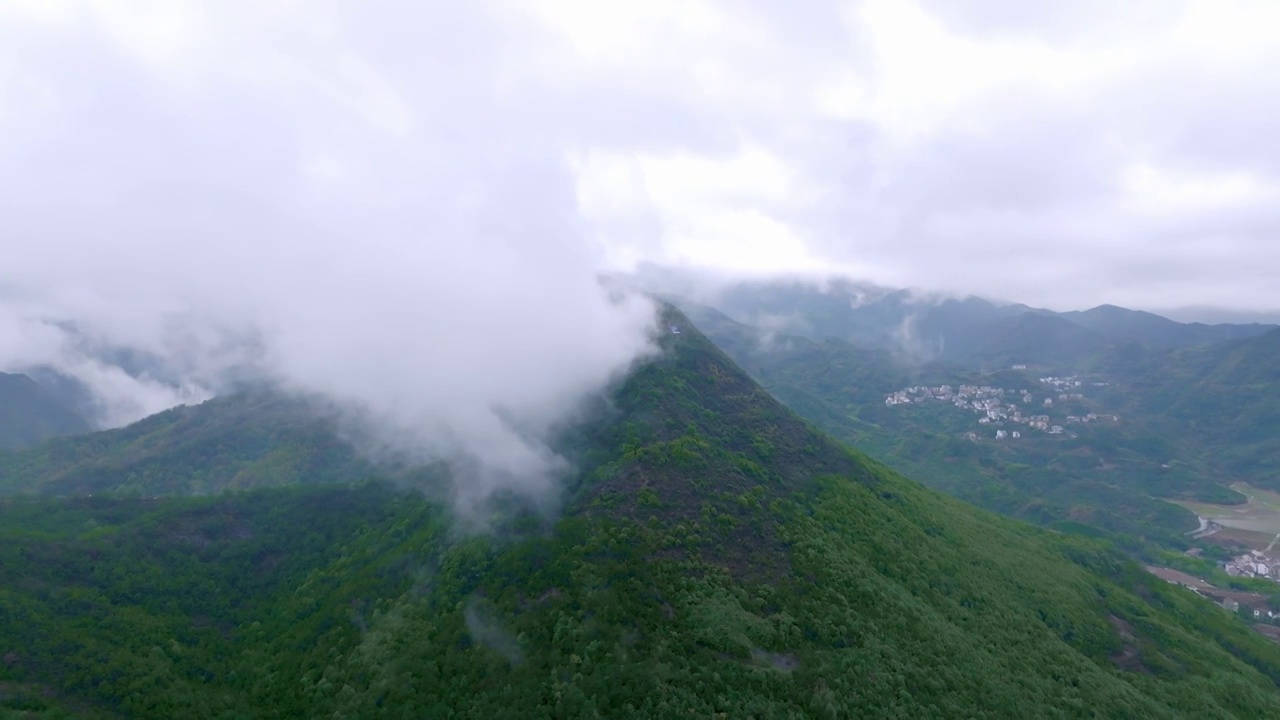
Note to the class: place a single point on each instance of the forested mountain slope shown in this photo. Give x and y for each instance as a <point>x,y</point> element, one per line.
<point>1223,400</point>
<point>716,556</point>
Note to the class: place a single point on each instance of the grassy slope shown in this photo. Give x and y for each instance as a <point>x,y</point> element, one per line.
<point>718,558</point>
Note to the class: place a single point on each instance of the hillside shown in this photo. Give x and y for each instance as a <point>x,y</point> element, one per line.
<point>30,414</point>
<point>1028,338</point>
<point>716,556</point>
<point>237,442</point>
<point>1222,400</point>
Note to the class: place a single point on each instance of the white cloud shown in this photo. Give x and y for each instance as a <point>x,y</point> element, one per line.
<point>304,189</point>
<point>1164,193</point>
<point>301,167</point>
<point>165,34</point>
<point>40,11</point>
<point>1038,147</point>
<point>715,211</point>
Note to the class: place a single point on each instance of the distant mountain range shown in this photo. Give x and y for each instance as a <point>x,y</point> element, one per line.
<point>923,326</point>
<point>1216,315</point>
<point>1155,331</point>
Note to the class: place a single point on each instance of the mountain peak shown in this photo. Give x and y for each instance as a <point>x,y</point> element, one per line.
<point>693,434</point>
<point>1108,308</point>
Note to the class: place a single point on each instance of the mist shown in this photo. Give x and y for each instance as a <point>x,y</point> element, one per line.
<point>338,217</point>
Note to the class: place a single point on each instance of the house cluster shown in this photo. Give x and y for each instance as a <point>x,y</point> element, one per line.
<point>1000,435</point>
<point>994,406</point>
<point>979,398</point>
<point>1062,384</point>
<point>997,406</point>
<point>1254,563</point>
<point>1067,389</point>
<point>1091,417</point>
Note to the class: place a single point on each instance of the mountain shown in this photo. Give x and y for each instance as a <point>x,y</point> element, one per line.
<point>1222,400</point>
<point>716,556</point>
<point>1109,476</point>
<point>1151,433</point>
<point>1155,331</point>
<point>1215,315</point>
<point>235,442</point>
<point>29,413</point>
<point>932,326</point>
<point>1198,415</point>
<point>918,325</point>
<point>1028,338</point>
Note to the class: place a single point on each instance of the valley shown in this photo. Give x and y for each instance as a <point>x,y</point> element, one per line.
<point>1116,436</point>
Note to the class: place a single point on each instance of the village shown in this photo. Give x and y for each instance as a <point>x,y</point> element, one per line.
<point>998,406</point>
<point>1254,563</point>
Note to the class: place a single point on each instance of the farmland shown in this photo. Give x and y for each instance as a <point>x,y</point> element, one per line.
<point>1255,523</point>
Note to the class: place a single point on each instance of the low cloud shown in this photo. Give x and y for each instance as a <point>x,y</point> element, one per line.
<point>910,345</point>
<point>405,206</point>
<point>485,629</point>
<point>342,217</point>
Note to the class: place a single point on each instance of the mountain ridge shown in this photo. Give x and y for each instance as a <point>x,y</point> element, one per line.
<point>928,326</point>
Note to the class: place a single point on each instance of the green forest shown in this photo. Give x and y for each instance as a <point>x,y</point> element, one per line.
<point>714,556</point>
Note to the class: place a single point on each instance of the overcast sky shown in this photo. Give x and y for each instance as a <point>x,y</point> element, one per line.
<point>1061,154</point>
<point>404,205</point>
<point>1057,153</point>
<point>290,169</point>
<point>360,200</point>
